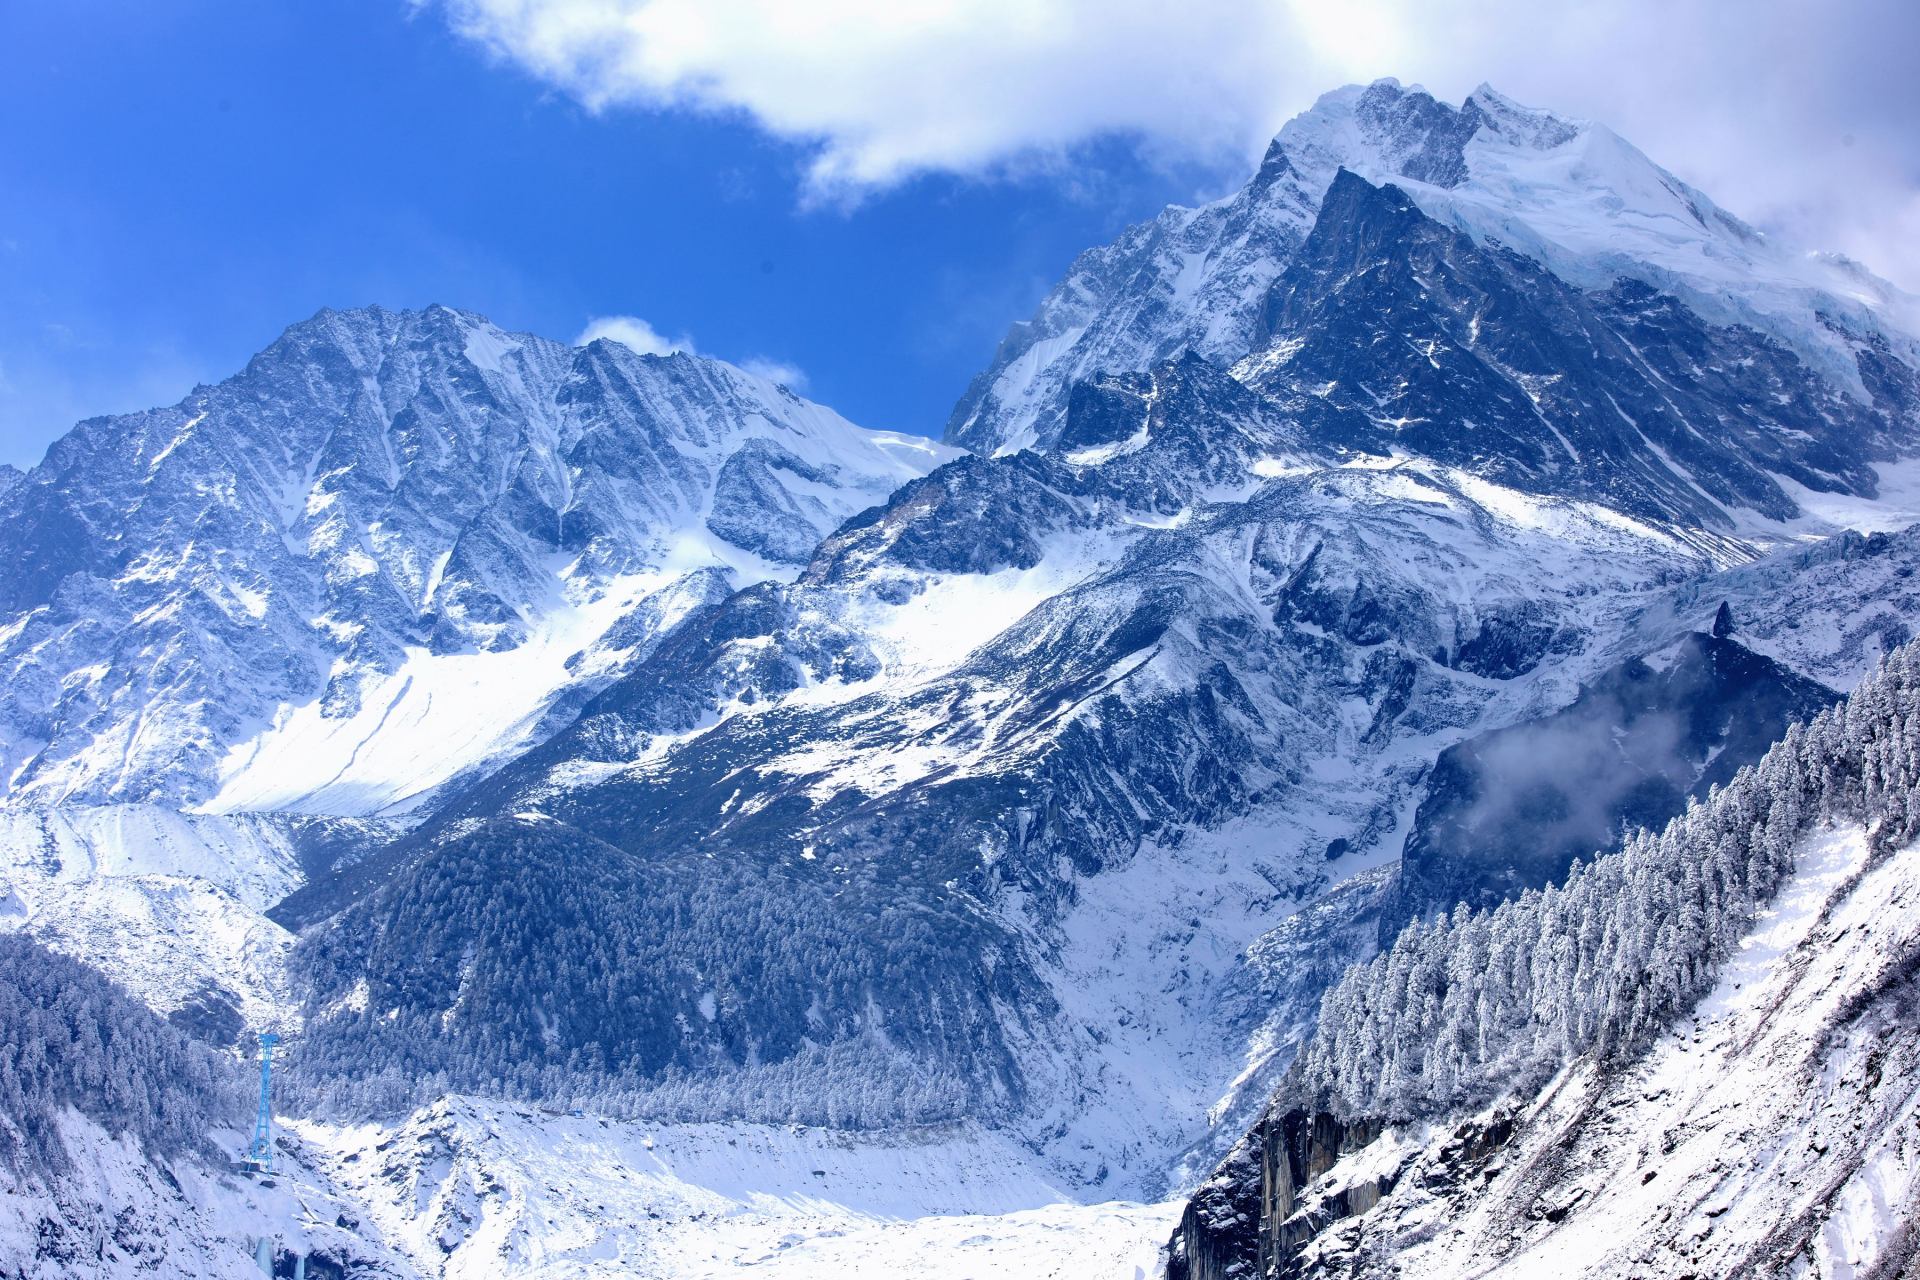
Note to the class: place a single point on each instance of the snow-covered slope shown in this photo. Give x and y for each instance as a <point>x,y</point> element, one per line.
<point>1775,1131</point>
<point>172,906</point>
<point>398,546</point>
<point>1692,1057</point>
<point>117,1212</point>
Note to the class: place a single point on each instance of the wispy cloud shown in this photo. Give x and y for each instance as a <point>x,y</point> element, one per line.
<point>789,375</point>
<point>632,331</point>
<point>1794,115</point>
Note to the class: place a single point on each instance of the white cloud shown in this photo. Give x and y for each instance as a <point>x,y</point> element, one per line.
<point>633,332</point>
<point>886,90</point>
<point>788,375</point>
<point>1794,115</point>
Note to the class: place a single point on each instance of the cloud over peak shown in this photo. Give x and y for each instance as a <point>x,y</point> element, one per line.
<point>632,331</point>
<point>883,91</point>
<point>1795,116</point>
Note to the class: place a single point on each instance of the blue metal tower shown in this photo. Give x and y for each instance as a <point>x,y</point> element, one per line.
<point>260,1151</point>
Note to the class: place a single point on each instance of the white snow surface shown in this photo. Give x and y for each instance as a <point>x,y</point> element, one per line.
<point>1144,960</point>
<point>1896,506</point>
<point>440,715</point>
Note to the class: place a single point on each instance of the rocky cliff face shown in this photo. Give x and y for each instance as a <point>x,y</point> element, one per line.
<point>1241,1223</point>
<point>1480,356</point>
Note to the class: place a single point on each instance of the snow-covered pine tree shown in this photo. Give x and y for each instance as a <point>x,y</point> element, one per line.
<point>71,1040</point>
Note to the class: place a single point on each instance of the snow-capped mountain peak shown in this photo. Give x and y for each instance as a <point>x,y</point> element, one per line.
<point>1384,129</point>
<point>1519,124</point>
<point>1571,196</point>
<point>382,514</point>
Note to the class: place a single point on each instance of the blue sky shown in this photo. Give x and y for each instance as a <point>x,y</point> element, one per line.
<point>179,182</point>
<point>868,190</point>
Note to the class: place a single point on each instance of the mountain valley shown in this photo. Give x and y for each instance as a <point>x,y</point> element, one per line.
<point>679,832</point>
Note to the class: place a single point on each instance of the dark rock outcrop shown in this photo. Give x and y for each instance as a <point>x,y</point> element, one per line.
<point>1251,1218</point>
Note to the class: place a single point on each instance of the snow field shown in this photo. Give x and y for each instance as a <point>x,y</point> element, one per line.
<point>491,1190</point>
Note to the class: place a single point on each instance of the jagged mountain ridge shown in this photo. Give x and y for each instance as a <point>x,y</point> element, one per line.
<point>383,509</point>
<point>1482,358</point>
<point>1195,279</point>
<point>1494,286</point>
